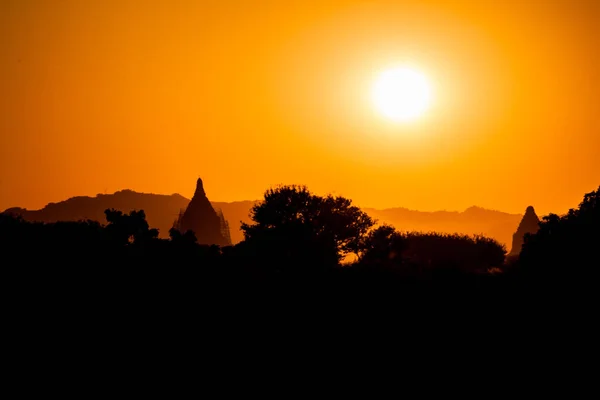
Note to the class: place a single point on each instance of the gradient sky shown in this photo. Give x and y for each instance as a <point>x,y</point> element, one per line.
<point>98,96</point>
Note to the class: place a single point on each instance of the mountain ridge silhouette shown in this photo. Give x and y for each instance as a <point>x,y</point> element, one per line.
<point>162,210</point>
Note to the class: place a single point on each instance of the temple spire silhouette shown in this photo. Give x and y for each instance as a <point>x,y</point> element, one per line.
<point>201,218</point>
<point>529,224</point>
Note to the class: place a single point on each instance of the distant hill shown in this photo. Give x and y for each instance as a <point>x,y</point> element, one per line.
<point>162,211</point>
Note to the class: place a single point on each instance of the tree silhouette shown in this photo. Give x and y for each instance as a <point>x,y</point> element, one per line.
<point>129,228</point>
<point>567,245</point>
<point>178,237</point>
<point>293,225</point>
<point>383,244</point>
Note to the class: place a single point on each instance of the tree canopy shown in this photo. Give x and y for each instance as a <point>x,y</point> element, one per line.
<point>294,223</point>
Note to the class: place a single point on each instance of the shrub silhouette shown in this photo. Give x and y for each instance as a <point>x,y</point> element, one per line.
<point>427,254</point>
<point>453,252</point>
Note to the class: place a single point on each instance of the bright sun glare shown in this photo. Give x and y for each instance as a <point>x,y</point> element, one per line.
<point>401,94</point>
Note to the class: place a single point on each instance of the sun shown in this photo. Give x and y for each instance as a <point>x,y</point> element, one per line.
<point>401,94</point>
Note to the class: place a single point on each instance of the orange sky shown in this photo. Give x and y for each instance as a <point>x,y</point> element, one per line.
<point>102,95</point>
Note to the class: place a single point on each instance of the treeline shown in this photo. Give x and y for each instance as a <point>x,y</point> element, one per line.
<point>297,236</point>
<point>293,231</point>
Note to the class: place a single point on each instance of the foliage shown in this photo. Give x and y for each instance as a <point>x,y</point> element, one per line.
<point>421,254</point>
<point>293,224</point>
<point>129,228</point>
<point>383,244</point>
<point>463,253</point>
<point>568,244</point>
<point>188,237</point>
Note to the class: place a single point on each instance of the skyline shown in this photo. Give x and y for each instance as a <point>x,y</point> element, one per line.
<point>102,96</point>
